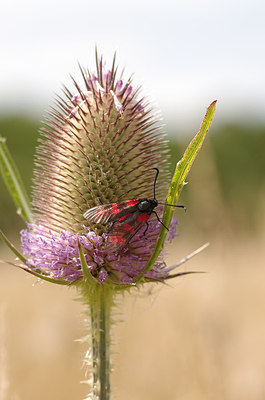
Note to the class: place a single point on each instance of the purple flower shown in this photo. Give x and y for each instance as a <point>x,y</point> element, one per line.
<point>56,255</point>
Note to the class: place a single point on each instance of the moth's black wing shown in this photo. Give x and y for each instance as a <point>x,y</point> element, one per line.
<point>123,230</point>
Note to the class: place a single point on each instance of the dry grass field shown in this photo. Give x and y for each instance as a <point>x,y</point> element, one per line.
<point>201,337</point>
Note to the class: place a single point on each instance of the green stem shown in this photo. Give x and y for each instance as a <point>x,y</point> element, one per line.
<point>104,355</point>
<point>100,305</point>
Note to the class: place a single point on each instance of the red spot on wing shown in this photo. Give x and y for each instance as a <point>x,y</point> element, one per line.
<point>133,202</point>
<point>117,239</point>
<point>124,217</point>
<point>115,209</point>
<point>143,217</point>
<point>128,228</point>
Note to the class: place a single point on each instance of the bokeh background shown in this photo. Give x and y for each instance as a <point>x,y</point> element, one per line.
<point>202,336</point>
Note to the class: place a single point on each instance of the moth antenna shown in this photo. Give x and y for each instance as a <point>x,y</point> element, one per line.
<point>157,172</point>
<point>173,205</point>
<point>164,204</point>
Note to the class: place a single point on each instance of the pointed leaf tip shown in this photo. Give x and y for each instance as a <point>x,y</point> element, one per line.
<point>87,274</point>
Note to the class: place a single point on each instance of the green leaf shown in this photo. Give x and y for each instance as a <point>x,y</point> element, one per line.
<point>13,182</point>
<point>178,181</point>
<point>87,274</point>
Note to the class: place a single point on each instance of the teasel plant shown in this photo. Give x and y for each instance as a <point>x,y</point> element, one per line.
<point>94,189</point>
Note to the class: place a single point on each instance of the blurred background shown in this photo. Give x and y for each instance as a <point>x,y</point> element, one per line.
<point>201,336</point>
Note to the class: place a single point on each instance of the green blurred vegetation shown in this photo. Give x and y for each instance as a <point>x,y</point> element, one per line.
<point>21,134</point>
<point>227,182</point>
<point>226,185</point>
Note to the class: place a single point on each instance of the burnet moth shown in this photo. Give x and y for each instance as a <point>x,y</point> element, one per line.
<point>126,218</point>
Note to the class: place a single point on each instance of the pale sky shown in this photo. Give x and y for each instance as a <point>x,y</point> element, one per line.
<point>185,53</point>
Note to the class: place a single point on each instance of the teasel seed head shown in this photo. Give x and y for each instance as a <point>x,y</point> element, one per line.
<point>98,146</point>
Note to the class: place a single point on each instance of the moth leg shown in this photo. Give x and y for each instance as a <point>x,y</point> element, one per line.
<point>160,220</point>
<point>147,226</point>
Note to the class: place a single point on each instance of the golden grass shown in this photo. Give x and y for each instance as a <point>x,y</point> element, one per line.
<point>200,337</point>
